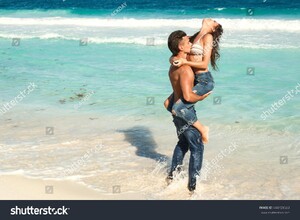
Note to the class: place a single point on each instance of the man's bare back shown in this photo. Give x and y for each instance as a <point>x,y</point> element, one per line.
<point>175,74</point>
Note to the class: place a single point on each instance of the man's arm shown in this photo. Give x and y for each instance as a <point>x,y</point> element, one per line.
<point>186,83</point>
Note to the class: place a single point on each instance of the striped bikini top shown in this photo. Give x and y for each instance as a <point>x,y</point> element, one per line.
<point>197,48</point>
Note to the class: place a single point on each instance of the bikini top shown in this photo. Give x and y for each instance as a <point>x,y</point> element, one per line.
<point>197,48</point>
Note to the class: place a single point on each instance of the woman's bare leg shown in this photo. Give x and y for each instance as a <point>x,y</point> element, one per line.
<point>204,130</point>
<point>166,103</point>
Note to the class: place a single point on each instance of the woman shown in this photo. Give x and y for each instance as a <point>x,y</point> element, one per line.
<point>205,50</point>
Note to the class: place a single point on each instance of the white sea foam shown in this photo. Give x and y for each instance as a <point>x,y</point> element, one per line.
<point>157,41</point>
<point>229,24</point>
<point>238,33</point>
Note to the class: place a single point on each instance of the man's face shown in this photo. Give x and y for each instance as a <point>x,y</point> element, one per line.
<point>185,45</point>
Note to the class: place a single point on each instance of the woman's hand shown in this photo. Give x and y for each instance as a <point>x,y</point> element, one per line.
<point>179,62</point>
<point>171,59</point>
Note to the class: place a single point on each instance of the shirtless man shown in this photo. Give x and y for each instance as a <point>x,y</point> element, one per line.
<point>182,80</point>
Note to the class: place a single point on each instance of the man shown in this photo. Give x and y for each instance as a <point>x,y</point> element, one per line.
<point>182,80</point>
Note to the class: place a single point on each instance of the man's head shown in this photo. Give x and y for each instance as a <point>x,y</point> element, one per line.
<point>178,41</point>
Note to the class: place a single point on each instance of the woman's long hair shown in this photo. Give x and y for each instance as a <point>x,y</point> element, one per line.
<point>215,55</point>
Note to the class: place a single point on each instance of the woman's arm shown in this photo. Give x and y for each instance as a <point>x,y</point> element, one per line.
<point>172,59</point>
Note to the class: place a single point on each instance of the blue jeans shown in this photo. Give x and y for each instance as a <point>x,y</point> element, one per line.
<point>204,83</point>
<point>189,139</point>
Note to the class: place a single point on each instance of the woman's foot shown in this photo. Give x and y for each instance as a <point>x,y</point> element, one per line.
<point>205,133</point>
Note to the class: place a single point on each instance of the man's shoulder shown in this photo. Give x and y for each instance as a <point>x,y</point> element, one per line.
<point>185,69</point>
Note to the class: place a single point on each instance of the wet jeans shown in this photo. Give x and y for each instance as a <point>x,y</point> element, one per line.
<point>189,139</point>
<point>204,83</point>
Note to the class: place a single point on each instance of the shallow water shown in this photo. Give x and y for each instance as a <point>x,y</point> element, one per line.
<point>106,152</point>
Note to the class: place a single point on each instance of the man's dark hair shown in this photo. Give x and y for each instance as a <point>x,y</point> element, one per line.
<point>173,41</point>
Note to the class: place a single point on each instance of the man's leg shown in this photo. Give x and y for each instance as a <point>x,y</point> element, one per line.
<point>180,149</point>
<point>178,155</point>
<point>194,139</point>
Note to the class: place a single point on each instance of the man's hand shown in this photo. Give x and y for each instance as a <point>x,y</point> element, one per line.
<point>204,96</point>
<point>179,62</point>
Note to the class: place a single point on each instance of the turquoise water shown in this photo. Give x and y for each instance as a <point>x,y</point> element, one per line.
<point>166,13</point>
<point>122,76</point>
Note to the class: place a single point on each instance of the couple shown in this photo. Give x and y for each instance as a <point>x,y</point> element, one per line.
<point>191,82</point>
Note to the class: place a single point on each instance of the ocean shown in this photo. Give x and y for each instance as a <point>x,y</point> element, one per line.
<point>100,76</point>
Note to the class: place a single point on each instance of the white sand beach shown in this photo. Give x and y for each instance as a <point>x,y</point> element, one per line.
<point>121,161</point>
<point>18,187</point>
